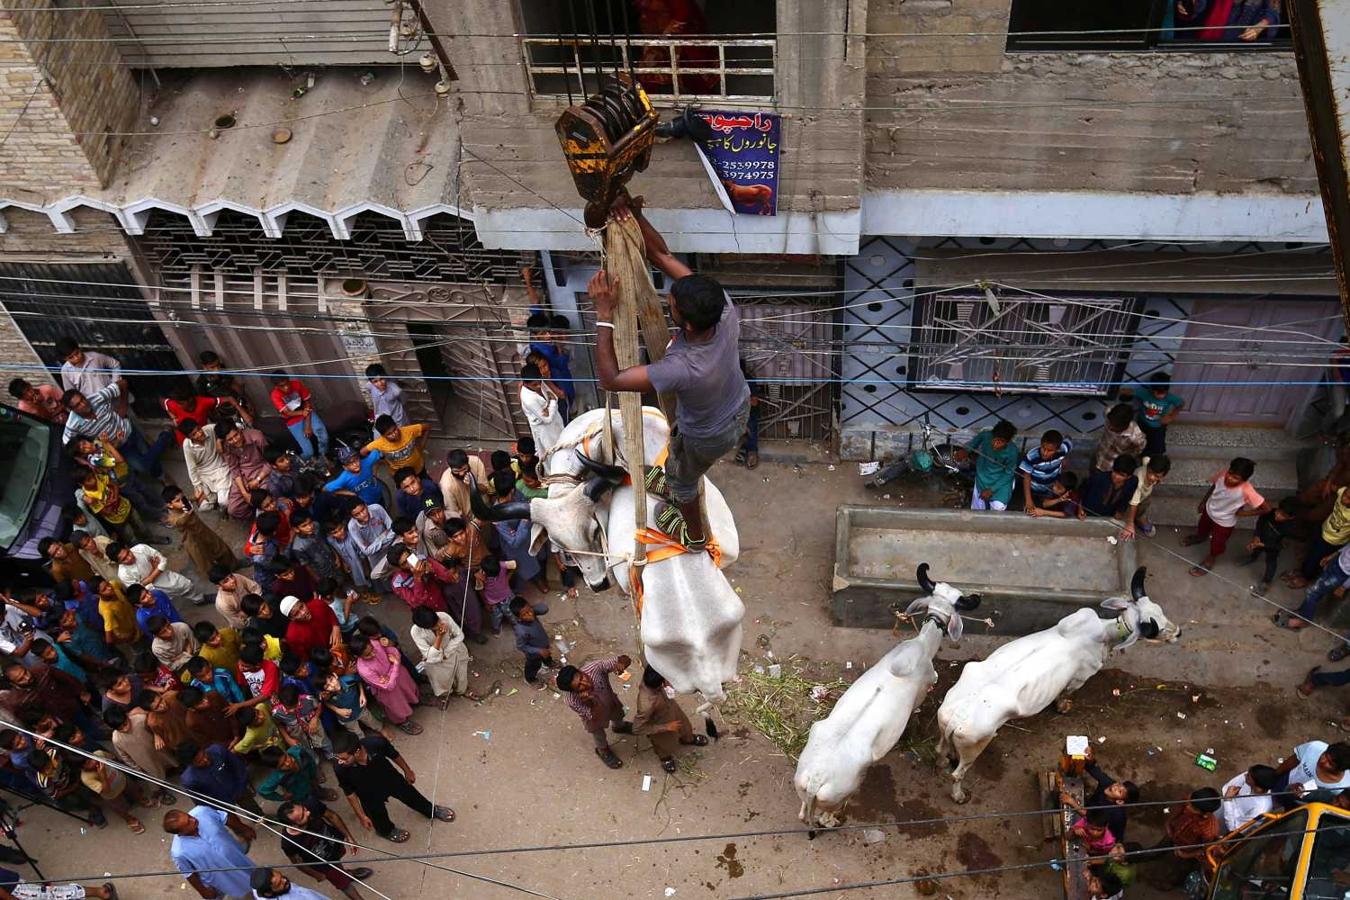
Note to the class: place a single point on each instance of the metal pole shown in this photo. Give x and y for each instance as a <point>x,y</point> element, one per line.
<point>1321,32</point>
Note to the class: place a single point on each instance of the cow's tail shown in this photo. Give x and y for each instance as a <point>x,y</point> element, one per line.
<point>808,810</point>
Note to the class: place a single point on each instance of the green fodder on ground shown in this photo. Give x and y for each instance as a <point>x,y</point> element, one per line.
<point>783,708</point>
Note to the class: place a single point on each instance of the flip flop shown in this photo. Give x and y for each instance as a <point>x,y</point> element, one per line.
<point>408,726</point>
<point>1336,654</point>
<point>669,764</point>
<point>111,889</point>
<point>398,835</point>
<point>443,814</point>
<point>136,826</point>
<point>608,758</point>
<point>1198,571</point>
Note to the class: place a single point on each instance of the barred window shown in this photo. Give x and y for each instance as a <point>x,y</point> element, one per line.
<point>1069,345</point>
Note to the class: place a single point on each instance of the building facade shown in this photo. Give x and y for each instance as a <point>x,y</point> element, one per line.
<point>987,208</point>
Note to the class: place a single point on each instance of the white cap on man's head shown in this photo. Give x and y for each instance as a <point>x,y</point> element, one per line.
<point>288,604</point>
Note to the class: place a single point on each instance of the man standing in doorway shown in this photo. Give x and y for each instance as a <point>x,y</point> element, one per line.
<point>702,368</point>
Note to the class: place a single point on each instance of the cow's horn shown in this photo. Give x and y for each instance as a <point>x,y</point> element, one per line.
<point>925,583</point>
<point>597,487</point>
<point>615,474</point>
<point>505,512</point>
<point>967,602</point>
<point>1137,582</point>
<point>1148,629</point>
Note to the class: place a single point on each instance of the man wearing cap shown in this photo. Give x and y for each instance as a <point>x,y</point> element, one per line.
<point>358,477</point>
<point>312,624</point>
<point>214,861</point>
<point>268,882</point>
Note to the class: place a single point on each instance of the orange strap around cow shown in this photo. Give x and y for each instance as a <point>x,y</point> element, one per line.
<point>663,546</point>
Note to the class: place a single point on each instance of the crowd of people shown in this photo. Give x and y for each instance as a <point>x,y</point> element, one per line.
<point>116,704</point>
<point>1313,772</point>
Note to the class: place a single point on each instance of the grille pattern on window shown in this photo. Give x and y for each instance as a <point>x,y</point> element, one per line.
<point>378,249</point>
<point>1069,345</point>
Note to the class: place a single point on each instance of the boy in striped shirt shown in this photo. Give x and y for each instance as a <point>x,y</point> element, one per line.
<point>1041,467</point>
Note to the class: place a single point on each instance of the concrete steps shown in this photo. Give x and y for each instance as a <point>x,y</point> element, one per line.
<point>1198,451</point>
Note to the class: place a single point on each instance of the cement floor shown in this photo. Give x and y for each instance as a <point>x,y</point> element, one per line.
<point>520,772</point>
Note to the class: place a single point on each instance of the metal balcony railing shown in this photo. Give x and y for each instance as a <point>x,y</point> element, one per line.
<point>675,69</point>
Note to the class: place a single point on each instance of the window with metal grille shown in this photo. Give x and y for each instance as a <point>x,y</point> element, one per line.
<point>679,51</point>
<point>980,342</point>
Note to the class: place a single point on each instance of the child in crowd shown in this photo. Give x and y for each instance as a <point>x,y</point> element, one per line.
<point>1155,469</point>
<point>1230,496</point>
<point>1121,436</point>
<point>493,581</point>
<point>1158,408</point>
<point>294,776</point>
<point>386,397</point>
<point>1271,531</point>
<point>1041,468</point>
<point>1109,493</point>
<point>996,462</point>
<point>1062,502</point>
<point>203,546</point>
<point>1247,796</point>
<point>292,401</point>
<point>1092,830</point>
<point>1190,829</point>
<point>531,639</point>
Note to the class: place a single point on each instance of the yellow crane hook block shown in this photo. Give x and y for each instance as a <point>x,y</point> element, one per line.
<point>606,140</point>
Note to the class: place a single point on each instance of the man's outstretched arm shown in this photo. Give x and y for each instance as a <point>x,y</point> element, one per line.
<point>634,378</point>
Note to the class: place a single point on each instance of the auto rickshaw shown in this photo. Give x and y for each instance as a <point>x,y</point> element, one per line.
<point>1299,854</point>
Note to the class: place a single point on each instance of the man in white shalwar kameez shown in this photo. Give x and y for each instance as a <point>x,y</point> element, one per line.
<point>445,658</point>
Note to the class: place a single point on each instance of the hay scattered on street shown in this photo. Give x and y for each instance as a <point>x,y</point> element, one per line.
<point>782,709</point>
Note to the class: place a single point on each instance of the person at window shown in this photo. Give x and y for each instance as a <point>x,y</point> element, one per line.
<point>1229,21</point>
<point>674,19</point>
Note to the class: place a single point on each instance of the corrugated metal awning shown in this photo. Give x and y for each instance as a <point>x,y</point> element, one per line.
<point>169,34</point>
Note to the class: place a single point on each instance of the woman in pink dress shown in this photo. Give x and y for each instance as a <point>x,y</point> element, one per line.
<point>378,665</point>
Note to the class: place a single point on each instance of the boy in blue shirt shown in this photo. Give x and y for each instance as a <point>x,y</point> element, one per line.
<point>1158,408</point>
<point>996,461</point>
<point>358,476</point>
<point>531,639</point>
<point>1040,469</point>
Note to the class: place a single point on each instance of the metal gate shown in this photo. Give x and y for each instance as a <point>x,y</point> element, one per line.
<point>101,307</point>
<point>787,347</point>
<point>459,360</point>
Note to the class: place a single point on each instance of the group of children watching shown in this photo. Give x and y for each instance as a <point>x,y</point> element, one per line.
<point>1315,772</point>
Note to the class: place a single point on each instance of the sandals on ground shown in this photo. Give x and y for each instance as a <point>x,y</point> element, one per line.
<point>398,835</point>
<point>608,757</point>
<point>669,764</point>
<point>1336,654</point>
<point>408,726</point>
<point>443,814</point>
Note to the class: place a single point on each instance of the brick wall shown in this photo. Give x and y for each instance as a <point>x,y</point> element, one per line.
<point>1129,128</point>
<point>64,96</point>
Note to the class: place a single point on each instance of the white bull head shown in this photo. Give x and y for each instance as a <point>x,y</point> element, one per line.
<point>1140,616</point>
<point>575,520</point>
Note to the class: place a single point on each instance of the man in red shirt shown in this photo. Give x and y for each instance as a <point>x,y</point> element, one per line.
<point>312,624</point>
<point>182,404</point>
<point>291,398</point>
<point>259,677</point>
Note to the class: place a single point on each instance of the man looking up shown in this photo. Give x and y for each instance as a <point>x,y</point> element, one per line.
<point>701,367</point>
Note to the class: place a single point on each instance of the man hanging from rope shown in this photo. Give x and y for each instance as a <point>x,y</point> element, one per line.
<point>701,368</point>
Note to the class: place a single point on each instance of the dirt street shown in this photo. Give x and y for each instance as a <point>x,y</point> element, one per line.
<point>519,770</point>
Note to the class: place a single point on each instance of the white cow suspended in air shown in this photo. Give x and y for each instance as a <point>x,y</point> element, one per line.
<point>874,712</point>
<point>691,617</point>
<point>1024,676</point>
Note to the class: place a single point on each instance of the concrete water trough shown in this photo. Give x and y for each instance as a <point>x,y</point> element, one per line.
<point>1031,571</point>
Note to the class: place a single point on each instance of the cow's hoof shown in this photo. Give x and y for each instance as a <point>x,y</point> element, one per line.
<point>960,796</point>
<point>1063,705</point>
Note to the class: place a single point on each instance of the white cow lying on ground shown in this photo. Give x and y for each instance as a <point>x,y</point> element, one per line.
<point>871,716</point>
<point>1023,677</point>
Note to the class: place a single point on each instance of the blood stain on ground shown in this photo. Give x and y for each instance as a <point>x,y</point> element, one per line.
<point>875,800</point>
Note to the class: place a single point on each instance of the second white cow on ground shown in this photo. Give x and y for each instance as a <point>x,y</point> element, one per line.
<point>1024,676</point>
<point>873,713</point>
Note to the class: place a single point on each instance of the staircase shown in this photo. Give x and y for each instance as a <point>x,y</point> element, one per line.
<point>1198,451</point>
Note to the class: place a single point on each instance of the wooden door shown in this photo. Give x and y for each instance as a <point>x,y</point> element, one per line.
<point>1228,370</point>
